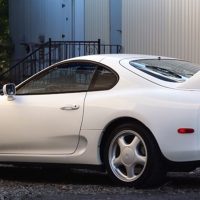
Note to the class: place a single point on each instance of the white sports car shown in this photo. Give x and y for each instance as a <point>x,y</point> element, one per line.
<point>137,116</point>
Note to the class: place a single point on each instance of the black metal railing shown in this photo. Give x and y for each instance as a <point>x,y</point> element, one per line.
<point>52,52</point>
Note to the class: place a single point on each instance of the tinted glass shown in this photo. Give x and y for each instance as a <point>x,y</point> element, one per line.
<point>167,70</point>
<point>104,79</point>
<point>74,77</point>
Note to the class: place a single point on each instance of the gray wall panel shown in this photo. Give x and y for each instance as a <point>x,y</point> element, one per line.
<point>162,27</point>
<point>97,20</point>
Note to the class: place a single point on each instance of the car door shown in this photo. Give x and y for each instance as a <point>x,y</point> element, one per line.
<point>46,115</point>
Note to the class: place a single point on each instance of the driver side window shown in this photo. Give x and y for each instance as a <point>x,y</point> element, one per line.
<point>64,78</point>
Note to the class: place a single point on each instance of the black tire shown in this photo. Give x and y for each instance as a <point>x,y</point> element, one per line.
<point>132,157</point>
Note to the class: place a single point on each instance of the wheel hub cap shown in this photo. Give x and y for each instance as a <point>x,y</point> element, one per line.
<point>127,156</point>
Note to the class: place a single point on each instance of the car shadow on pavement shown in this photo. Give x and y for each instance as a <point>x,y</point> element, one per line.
<point>54,175</point>
<point>65,175</point>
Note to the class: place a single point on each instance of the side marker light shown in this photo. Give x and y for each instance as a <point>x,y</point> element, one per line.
<point>185,130</point>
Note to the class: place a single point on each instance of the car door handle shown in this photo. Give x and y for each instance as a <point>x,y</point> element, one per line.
<point>70,107</point>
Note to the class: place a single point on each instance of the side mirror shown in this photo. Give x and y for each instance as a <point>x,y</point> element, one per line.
<point>9,91</point>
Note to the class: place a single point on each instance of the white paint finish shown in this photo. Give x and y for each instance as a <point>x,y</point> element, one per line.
<point>97,20</point>
<point>155,112</point>
<point>46,129</point>
<point>86,152</point>
<point>163,110</point>
<point>167,27</point>
<point>141,99</point>
<point>192,84</point>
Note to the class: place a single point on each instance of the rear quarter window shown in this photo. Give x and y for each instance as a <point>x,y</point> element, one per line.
<point>104,79</point>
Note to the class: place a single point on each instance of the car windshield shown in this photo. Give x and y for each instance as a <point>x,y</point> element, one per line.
<point>167,69</point>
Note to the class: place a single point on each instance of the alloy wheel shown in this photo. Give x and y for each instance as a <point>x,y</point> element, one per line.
<point>127,155</point>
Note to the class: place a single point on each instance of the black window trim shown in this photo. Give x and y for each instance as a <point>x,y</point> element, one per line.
<point>71,62</point>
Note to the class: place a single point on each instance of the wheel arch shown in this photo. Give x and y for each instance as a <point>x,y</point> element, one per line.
<point>118,121</point>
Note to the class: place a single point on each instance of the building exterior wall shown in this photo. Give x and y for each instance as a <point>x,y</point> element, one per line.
<point>97,22</point>
<point>35,18</point>
<point>167,27</point>
<point>35,21</point>
<point>115,22</point>
<point>79,20</point>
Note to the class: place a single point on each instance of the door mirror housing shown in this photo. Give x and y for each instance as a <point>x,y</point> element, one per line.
<point>10,91</point>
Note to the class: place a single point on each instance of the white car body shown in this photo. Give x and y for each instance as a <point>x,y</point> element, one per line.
<point>41,128</point>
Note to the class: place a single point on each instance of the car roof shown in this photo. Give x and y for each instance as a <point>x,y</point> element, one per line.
<point>100,57</point>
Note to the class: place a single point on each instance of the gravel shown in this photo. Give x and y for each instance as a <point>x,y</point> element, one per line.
<point>20,183</point>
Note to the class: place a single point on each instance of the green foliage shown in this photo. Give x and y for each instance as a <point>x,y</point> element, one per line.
<point>5,44</point>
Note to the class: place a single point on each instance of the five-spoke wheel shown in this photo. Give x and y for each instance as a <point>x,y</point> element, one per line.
<point>127,155</point>
<point>132,156</point>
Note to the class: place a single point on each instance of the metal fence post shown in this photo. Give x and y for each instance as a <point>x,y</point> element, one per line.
<point>99,46</point>
<point>49,51</point>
